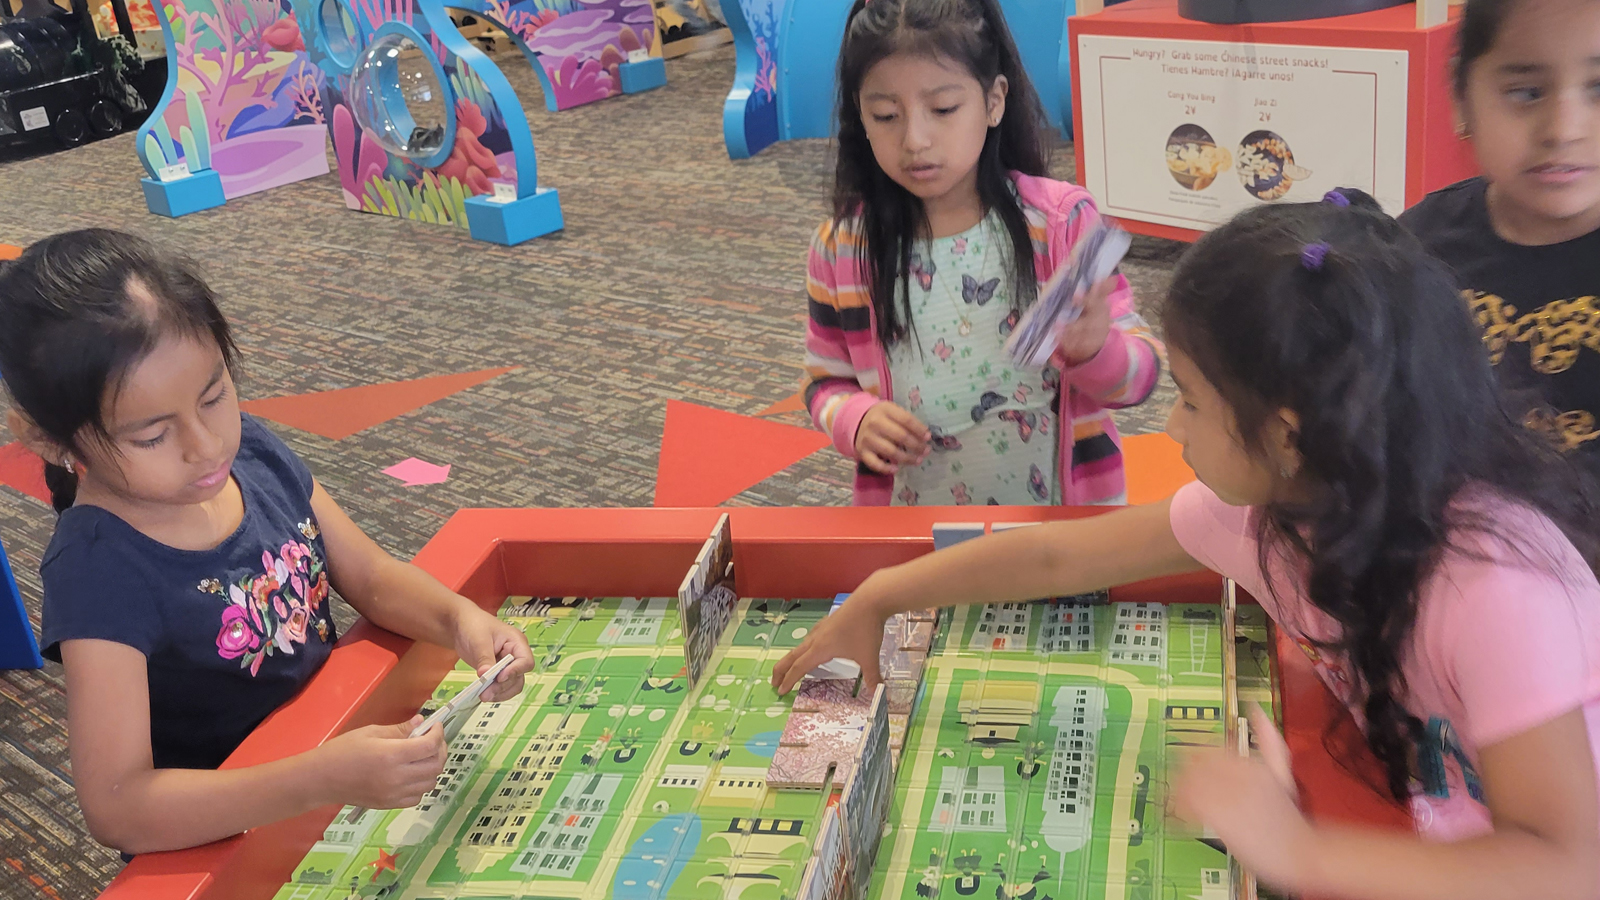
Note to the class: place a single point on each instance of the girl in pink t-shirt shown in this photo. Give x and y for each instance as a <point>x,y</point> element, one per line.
<point>1360,477</point>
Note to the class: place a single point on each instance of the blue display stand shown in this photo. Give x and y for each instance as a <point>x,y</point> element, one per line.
<point>644,75</point>
<point>182,196</point>
<point>512,222</point>
<point>18,648</point>
<point>786,81</point>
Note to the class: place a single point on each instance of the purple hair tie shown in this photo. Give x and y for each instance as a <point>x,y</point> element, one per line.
<point>1313,255</point>
<point>1336,198</point>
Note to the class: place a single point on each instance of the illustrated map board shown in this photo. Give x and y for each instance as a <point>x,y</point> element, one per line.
<point>1239,115</point>
<point>609,721</point>
<point>611,778</point>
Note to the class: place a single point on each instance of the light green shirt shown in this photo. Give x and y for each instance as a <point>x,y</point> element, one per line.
<point>994,423</point>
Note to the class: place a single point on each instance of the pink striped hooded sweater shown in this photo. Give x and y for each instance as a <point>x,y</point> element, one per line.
<point>848,371</point>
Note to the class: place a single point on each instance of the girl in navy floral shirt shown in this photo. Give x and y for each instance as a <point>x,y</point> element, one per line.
<point>187,584</point>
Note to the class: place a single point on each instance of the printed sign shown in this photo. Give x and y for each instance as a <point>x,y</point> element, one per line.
<point>1234,125</point>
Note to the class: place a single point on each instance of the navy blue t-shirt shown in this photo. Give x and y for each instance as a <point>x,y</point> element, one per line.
<point>229,634</point>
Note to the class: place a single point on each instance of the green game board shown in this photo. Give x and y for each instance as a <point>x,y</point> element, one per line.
<point>610,778</point>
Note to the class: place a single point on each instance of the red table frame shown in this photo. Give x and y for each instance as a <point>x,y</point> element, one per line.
<point>374,676</point>
<point>1435,156</point>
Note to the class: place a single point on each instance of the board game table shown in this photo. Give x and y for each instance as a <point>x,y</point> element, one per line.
<point>375,677</point>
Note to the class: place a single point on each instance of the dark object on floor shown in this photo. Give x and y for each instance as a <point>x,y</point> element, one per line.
<point>1239,12</point>
<point>59,79</point>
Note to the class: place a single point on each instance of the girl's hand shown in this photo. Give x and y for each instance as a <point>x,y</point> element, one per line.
<point>482,639</point>
<point>854,631</point>
<point>1250,804</point>
<point>1081,341</point>
<point>890,437</point>
<point>381,767</point>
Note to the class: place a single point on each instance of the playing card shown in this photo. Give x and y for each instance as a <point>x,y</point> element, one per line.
<point>1060,300</point>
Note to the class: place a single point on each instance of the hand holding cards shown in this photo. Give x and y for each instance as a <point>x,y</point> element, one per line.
<point>1060,300</point>
<point>453,714</point>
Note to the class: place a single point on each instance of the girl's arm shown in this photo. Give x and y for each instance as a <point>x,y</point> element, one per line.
<point>1055,559</point>
<point>131,806</point>
<point>1539,786</point>
<point>404,599</point>
<point>837,314</point>
<point>1109,353</point>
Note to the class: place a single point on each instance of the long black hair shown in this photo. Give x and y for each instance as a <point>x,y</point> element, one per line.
<point>1477,31</point>
<point>1339,315</point>
<point>1476,34</point>
<point>78,311</point>
<point>969,33</point>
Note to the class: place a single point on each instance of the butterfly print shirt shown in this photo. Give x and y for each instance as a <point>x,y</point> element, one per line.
<point>994,423</point>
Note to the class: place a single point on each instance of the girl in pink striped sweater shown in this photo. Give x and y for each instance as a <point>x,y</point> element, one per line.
<point>944,225</point>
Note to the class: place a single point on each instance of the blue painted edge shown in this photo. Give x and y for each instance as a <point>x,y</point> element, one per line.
<point>315,35</point>
<point>644,75</point>
<point>18,647</point>
<point>1066,72</point>
<point>167,93</point>
<point>438,157</point>
<point>510,224</point>
<point>499,89</point>
<point>200,190</point>
<point>746,64</point>
<point>484,10</point>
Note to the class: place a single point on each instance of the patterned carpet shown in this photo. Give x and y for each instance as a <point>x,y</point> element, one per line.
<point>680,275</point>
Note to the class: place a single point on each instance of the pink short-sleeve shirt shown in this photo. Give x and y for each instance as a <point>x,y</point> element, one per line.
<point>1502,644</point>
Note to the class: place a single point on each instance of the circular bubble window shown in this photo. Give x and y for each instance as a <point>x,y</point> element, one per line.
<point>339,33</point>
<point>398,96</point>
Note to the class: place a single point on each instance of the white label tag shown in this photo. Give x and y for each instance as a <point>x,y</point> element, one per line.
<point>635,56</point>
<point>173,172</point>
<point>35,119</point>
<point>504,193</point>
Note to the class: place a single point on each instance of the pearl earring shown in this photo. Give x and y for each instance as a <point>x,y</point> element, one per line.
<point>70,466</point>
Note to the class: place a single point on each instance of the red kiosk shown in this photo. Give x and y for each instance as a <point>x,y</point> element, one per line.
<point>1238,114</point>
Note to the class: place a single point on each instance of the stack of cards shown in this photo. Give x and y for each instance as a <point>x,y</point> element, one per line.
<point>1060,300</point>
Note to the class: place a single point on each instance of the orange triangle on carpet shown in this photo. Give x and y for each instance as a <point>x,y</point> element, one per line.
<point>20,469</point>
<point>793,403</point>
<point>708,456</point>
<point>338,414</point>
<point>7,251</point>
<point>1155,467</point>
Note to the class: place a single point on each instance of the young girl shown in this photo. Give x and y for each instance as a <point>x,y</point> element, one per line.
<point>944,224</point>
<point>1359,478</point>
<point>1524,239</point>
<point>186,587</point>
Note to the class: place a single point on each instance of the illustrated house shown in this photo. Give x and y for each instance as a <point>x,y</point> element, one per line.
<point>687,777</point>
<point>636,622</point>
<point>1140,635</point>
<point>563,837</point>
<point>767,837</point>
<point>1214,885</point>
<point>971,799</point>
<point>1068,802</point>
<point>1066,628</point>
<point>1002,626</point>
<point>995,711</point>
<point>736,786</point>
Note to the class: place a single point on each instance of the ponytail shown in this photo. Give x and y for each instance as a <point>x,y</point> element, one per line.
<point>63,487</point>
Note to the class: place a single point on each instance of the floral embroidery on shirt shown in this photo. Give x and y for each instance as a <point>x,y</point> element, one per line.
<point>272,612</point>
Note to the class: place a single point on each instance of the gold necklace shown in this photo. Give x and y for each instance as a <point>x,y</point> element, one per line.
<point>965,328</point>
